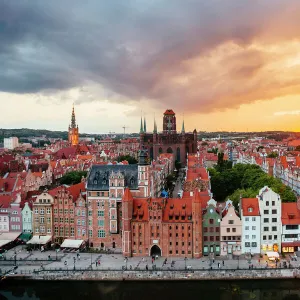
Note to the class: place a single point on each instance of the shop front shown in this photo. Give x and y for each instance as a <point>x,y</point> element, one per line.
<point>290,247</point>
<point>269,247</point>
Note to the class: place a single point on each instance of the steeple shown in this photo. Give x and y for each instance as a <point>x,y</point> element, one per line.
<point>141,128</point>
<point>155,126</point>
<point>145,128</point>
<point>73,120</point>
<point>183,129</point>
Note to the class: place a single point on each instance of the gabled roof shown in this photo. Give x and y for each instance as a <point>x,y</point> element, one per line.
<point>248,204</point>
<point>98,178</point>
<point>290,214</point>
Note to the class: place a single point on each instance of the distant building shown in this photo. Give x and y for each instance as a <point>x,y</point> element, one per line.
<point>11,143</point>
<point>73,133</point>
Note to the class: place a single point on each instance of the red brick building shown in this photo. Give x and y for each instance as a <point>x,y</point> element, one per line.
<point>69,213</point>
<point>158,226</point>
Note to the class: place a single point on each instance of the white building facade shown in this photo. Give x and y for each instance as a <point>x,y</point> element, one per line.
<point>11,143</point>
<point>270,221</point>
<point>250,225</point>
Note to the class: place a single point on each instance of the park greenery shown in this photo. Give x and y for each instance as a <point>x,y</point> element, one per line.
<point>73,177</point>
<point>244,180</point>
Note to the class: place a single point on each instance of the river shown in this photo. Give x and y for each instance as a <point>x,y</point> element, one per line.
<point>151,290</point>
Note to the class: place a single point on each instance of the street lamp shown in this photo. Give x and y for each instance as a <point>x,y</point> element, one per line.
<point>15,257</point>
<point>185,259</point>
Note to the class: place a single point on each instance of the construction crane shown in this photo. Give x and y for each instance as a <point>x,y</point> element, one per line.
<point>124,127</point>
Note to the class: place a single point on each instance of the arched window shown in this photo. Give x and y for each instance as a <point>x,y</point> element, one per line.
<point>160,150</point>
<point>169,150</point>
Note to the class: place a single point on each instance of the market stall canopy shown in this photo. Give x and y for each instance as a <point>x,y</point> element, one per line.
<point>71,243</point>
<point>25,236</point>
<point>40,239</point>
<point>7,237</point>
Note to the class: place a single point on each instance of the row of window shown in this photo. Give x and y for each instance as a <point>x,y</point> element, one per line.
<point>266,220</point>
<point>42,220</point>
<point>177,252</point>
<point>211,238</point>
<point>231,238</point>
<point>247,219</point>
<point>211,229</point>
<point>273,212</point>
<point>42,229</point>
<point>3,219</point>
<point>15,227</point>
<point>269,237</point>
<point>15,219</point>
<point>100,213</point>
<point>247,237</point>
<point>248,244</point>
<point>42,211</point>
<point>65,211</point>
<point>274,228</point>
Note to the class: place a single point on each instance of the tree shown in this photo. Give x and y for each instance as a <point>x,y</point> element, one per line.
<point>177,164</point>
<point>259,147</point>
<point>131,160</point>
<point>272,155</point>
<point>73,177</point>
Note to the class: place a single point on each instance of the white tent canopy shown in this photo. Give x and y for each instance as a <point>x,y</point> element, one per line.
<point>71,243</point>
<point>40,239</point>
<point>272,254</point>
<point>7,237</point>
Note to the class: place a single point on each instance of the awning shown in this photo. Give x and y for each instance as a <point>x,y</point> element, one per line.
<point>290,244</point>
<point>40,239</point>
<point>71,243</point>
<point>272,254</point>
<point>7,237</point>
<point>25,236</point>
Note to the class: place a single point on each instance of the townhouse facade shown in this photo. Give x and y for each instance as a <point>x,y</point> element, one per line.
<point>230,231</point>
<point>270,221</point>
<point>250,216</point>
<point>27,218</point>
<point>211,229</point>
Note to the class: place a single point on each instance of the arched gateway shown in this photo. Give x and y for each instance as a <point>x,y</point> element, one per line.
<point>155,250</point>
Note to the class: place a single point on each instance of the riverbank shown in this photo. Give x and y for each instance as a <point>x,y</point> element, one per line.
<point>260,274</point>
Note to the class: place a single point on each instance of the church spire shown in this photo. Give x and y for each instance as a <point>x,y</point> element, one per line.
<point>183,129</point>
<point>145,128</point>
<point>155,126</point>
<point>73,120</point>
<point>141,128</point>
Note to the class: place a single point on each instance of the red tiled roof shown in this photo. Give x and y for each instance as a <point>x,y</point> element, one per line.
<point>290,214</point>
<point>5,201</point>
<point>7,185</point>
<point>127,195</point>
<point>250,203</point>
<point>75,189</point>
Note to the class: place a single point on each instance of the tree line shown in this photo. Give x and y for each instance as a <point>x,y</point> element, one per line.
<point>244,180</point>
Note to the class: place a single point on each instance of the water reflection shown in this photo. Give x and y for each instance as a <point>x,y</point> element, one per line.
<point>223,290</point>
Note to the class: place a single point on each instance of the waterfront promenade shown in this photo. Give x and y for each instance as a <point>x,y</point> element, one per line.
<point>61,265</point>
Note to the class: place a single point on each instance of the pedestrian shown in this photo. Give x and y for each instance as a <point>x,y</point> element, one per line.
<point>78,256</point>
<point>152,260</point>
<point>96,264</point>
<point>143,259</point>
<point>249,267</point>
<point>99,262</point>
<point>219,265</point>
<point>146,267</point>
<point>41,266</point>
<point>213,260</point>
<point>259,260</point>
<point>223,263</point>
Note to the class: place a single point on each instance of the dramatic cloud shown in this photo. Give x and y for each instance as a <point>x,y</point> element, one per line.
<point>196,54</point>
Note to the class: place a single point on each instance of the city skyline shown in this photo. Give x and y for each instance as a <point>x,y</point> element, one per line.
<point>231,67</point>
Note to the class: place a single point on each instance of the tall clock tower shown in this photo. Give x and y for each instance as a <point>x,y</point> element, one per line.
<point>169,122</point>
<point>73,133</point>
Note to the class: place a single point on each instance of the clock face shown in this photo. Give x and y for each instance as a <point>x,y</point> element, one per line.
<point>211,210</point>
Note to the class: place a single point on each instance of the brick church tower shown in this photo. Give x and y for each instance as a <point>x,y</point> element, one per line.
<point>169,140</point>
<point>127,208</point>
<point>73,133</point>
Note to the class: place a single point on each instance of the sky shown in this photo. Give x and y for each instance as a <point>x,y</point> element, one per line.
<point>220,64</point>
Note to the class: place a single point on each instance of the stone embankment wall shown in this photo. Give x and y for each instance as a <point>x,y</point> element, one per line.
<point>166,275</point>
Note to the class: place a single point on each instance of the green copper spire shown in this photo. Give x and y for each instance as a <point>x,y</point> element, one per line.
<point>141,128</point>
<point>183,129</point>
<point>145,128</point>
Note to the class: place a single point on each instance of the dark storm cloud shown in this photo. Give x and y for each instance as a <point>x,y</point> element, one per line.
<point>136,49</point>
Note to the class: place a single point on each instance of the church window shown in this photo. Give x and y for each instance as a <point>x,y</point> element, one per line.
<point>95,181</point>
